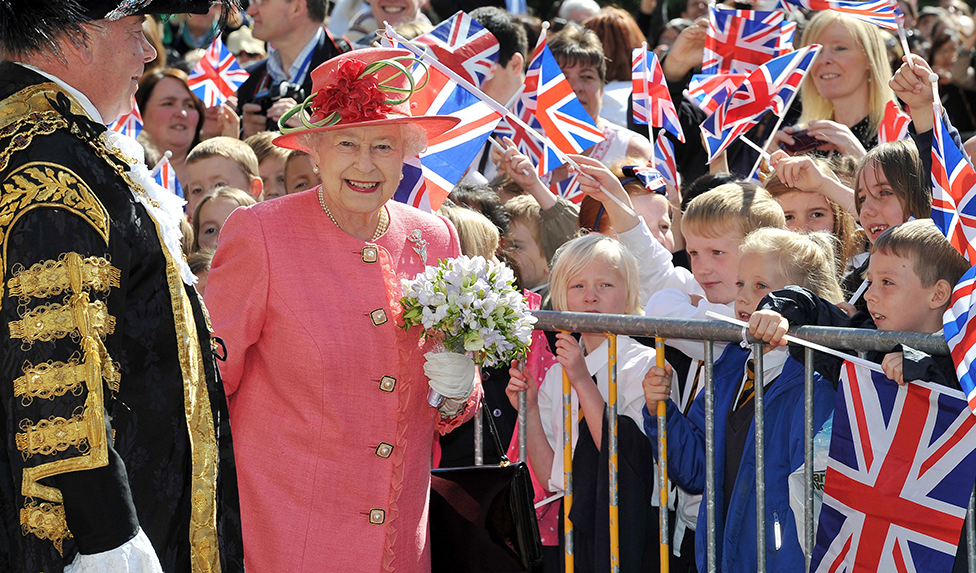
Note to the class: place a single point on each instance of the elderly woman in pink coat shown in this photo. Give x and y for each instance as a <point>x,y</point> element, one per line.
<point>327,394</point>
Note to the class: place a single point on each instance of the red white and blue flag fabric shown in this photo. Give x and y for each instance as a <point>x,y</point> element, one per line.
<point>217,75</point>
<point>664,160</point>
<point>413,189</point>
<point>166,177</point>
<point>542,154</point>
<point>771,87</point>
<point>953,192</point>
<point>894,125</point>
<point>899,476</point>
<point>129,124</point>
<point>739,41</point>
<point>877,12</point>
<point>548,94</point>
<point>651,179</point>
<point>711,91</point>
<point>960,334</point>
<point>448,155</point>
<point>463,45</point>
<point>651,93</point>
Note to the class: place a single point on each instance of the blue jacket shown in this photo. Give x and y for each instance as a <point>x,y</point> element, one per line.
<point>736,538</point>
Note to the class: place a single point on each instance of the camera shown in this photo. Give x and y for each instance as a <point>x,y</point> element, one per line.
<point>802,142</point>
<point>278,91</point>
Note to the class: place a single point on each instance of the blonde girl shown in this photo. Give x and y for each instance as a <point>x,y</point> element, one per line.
<point>595,274</point>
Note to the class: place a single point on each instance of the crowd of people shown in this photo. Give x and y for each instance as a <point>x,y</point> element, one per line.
<point>290,236</point>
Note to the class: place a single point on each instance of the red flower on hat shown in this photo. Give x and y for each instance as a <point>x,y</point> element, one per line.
<point>356,97</point>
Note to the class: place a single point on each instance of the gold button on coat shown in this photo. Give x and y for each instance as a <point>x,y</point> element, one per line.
<point>378,316</point>
<point>370,254</point>
<point>384,450</point>
<point>377,516</point>
<point>387,383</point>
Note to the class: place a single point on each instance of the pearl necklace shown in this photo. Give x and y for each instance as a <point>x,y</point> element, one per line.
<point>381,225</point>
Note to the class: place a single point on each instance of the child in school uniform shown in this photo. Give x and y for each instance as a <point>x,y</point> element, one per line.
<point>768,259</point>
<point>595,273</point>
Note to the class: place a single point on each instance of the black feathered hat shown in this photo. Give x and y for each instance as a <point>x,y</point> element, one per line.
<point>29,25</point>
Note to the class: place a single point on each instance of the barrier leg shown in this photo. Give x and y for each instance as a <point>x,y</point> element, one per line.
<point>523,412</point>
<point>809,533</point>
<point>710,545</point>
<point>662,444</point>
<point>612,439</point>
<point>760,463</point>
<point>568,471</point>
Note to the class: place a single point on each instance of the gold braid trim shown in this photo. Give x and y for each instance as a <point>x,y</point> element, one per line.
<point>46,521</point>
<point>70,273</point>
<point>54,321</point>
<point>50,380</point>
<point>54,435</point>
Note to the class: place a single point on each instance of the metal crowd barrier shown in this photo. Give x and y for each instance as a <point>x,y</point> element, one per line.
<point>710,332</point>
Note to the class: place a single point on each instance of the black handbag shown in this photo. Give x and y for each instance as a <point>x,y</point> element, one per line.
<point>482,518</point>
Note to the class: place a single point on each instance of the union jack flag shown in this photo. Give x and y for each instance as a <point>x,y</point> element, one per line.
<point>413,189</point>
<point>739,41</point>
<point>899,475</point>
<point>711,91</point>
<point>217,75</point>
<point>129,124</point>
<point>650,178</point>
<point>877,12</point>
<point>953,191</point>
<point>771,87</point>
<point>463,45</point>
<point>542,154</point>
<point>960,334</point>
<point>568,188</point>
<point>651,92</point>
<point>448,155</point>
<point>166,177</point>
<point>788,32</point>
<point>548,94</point>
<point>664,160</point>
<point>894,125</point>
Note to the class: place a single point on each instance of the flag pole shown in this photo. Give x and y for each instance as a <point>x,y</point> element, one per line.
<point>159,164</point>
<point>647,103</point>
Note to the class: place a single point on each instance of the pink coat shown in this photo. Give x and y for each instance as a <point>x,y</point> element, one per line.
<point>327,395</point>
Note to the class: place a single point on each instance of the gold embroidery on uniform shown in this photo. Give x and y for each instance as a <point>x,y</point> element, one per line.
<point>70,273</point>
<point>54,435</point>
<point>50,380</point>
<point>204,550</point>
<point>78,317</point>
<point>46,521</point>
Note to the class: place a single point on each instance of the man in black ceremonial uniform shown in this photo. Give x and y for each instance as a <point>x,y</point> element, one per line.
<point>116,453</point>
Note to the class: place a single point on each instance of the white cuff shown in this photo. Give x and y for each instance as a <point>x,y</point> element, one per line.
<point>134,556</point>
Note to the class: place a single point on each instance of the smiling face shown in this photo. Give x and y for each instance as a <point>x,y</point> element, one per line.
<point>213,215</point>
<point>715,264</point>
<point>170,116</point>
<point>841,70</point>
<point>598,287</point>
<point>395,11</point>
<point>806,212</point>
<point>360,167</point>
<point>119,53</point>
<point>758,275</point>
<point>585,81</point>
<point>654,208</point>
<point>879,208</point>
<point>896,298</point>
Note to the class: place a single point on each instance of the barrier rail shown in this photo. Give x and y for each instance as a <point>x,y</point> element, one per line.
<point>710,332</point>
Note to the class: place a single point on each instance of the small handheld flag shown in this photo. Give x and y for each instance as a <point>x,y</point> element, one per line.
<point>217,75</point>
<point>129,124</point>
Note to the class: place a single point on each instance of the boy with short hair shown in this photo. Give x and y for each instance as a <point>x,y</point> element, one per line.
<point>221,161</point>
<point>912,272</point>
<point>300,172</point>
<point>271,162</point>
<point>524,240</point>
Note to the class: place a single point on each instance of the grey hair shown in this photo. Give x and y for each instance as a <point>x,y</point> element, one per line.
<point>413,137</point>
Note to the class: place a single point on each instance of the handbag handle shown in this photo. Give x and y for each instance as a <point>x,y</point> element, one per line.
<point>485,414</point>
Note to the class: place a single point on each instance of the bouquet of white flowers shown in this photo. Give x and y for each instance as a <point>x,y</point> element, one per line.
<point>470,306</point>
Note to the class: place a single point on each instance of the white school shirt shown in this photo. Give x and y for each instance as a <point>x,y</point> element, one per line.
<point>633,361</point>
<point>657,271</point>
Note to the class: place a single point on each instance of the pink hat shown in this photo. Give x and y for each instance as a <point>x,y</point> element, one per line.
<point>361,88</point>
